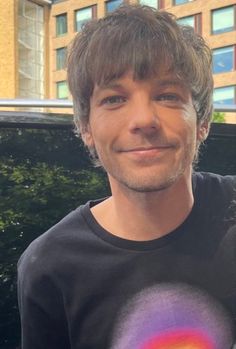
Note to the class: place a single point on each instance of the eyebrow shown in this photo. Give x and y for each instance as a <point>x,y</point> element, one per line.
<point>110,85</point>
<point>115,85</point>
<point>163,82</point>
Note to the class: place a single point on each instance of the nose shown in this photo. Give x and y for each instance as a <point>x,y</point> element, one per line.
<point>143,117</point>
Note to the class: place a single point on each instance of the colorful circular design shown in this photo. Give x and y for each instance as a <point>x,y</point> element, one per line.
<point>179,339</point>
<point>173,316</point>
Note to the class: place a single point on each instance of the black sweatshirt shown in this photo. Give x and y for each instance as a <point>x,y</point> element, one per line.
<point>81,287</point>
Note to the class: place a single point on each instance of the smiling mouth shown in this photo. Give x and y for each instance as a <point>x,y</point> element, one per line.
<point>147,150</point>
<point>141,153</point>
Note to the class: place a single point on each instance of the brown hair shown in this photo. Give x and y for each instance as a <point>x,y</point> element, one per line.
<point>143,40</point>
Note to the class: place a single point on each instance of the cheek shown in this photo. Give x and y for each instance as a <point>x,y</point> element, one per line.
<point>190,131</point>
<point>184,132</point>
<point>180,121</point>
<point>101,141</point>
<point>105,134</point>
<point>190,122</point>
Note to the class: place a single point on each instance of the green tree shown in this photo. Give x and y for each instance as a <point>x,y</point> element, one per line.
<point>44,174</point>
<point>218,117</point>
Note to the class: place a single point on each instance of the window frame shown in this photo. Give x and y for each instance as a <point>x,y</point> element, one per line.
<point>234,18</point>
<point>57,17</point>
<point>233,59</point>
<point>184,3</point>
<point>159,4</point>
<point>110,1</point>
<point>94,15</point>
<point>57,89</point>
<point>58,66</point>
<point>222,87</point>
<point>197,22</point>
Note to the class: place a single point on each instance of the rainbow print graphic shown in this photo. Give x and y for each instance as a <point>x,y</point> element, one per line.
<point>179,339</point>
<point>173,316</point>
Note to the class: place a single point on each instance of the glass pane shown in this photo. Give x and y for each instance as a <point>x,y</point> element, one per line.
<point>112,5</point>
<point>61,24</point>
<point>187,21</point>
<point>62,90</point>
<point>223,59</point>
<point>179,2</point>
<point>31,68</point>
<point>152,3</point>
<point>224,95</point>
<point>223,20</point>
<point>82,16</point>
<point>61,57</point>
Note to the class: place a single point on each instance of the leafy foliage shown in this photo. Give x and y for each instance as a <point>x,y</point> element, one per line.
<point>218,117</point>
<point>44,174</point>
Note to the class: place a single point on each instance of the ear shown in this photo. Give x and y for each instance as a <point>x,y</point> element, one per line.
<point>202,131</point>
<point>86,136</point>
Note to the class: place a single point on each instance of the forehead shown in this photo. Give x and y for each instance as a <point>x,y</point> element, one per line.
<point>162,79</point>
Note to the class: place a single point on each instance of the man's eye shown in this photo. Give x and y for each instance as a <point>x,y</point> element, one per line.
<point>112,100</point>
<point>171,97</point>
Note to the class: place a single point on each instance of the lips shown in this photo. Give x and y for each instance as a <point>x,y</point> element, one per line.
<point>147,149</point>
<point>147,154</point>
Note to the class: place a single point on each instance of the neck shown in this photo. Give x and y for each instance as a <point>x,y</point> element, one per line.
<point>145,216</point>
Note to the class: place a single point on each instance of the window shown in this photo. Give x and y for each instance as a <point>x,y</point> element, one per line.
<point>82,16</point>
<point>192,21</point>
<point>223,20</point>
<point>180,2</point>
<point>31,53</point>
<point>61,57</point>
<point>224,95</point>
<point>112,5</point>
<point>223,59</point>
<point>61,24</point>
<point>62,90</point>
<point>152,3</point>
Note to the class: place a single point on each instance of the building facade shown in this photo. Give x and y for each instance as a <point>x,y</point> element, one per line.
<point>35,34</point>
<point>24,50</point>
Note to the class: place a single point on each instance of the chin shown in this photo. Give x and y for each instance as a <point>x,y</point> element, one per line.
<point>151,184</point>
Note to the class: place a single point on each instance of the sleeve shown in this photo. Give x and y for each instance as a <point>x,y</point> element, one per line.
<point>43,320</point>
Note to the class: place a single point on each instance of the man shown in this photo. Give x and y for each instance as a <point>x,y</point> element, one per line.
<point>153,265</point>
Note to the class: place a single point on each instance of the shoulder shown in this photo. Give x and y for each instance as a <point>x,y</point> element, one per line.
<point>215,178</point>
<point>63,248</point>
<point>215,184</point>
<point>216,195</point>
<point>49,249</point>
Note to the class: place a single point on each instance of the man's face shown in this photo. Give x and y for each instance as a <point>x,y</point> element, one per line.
<point>145,132</point>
